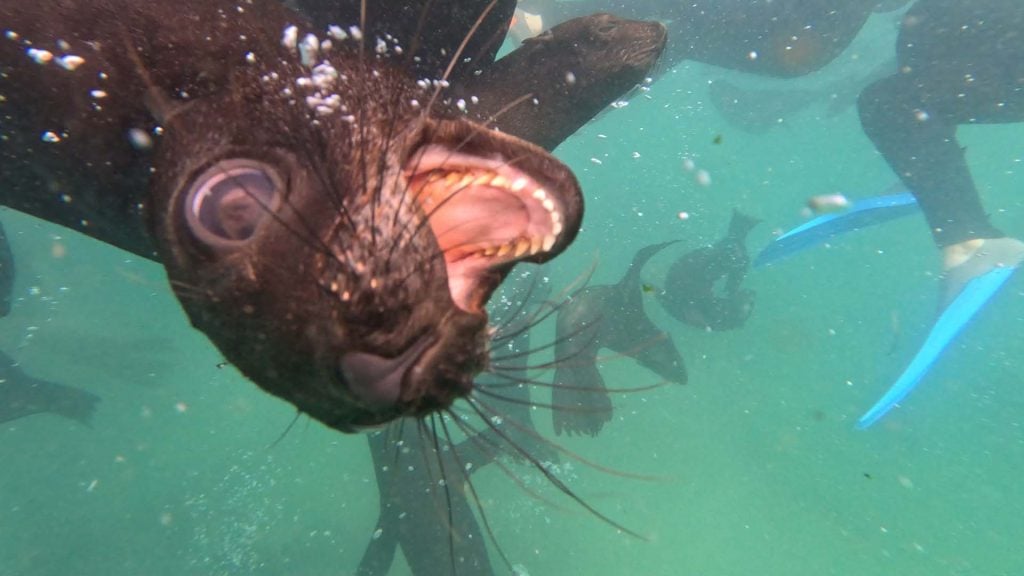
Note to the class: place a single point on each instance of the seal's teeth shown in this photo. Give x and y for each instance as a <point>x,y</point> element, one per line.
<point>504,249</point>
<point>466,181</point>
<point>549,241</point>
<point>556,217</point>
<point>540,194</point>
<point>556,229</point>
<point>549,205</point>
<point>536,243</point>
<point>482,180</point>
<point>518,184</point>
<point>522,246</point>
<point>490,251</point>
<point>499,182</point>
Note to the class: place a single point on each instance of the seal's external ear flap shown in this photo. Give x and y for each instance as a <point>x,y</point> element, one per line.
<point>156,101</point>
<point>543,37</point>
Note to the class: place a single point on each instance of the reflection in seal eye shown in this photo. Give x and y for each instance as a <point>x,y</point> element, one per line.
<point>227,202</point>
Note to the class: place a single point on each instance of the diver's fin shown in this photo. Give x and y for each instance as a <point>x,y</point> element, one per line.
<point>860,214</point>
<point>975,294</point>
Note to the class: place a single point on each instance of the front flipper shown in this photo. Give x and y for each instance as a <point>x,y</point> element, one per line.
<point>579,396</point>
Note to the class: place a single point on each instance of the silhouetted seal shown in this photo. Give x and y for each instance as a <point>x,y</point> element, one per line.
<point>610,317</point>
<point>703,287</point>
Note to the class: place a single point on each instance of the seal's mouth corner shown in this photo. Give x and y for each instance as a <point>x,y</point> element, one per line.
<point>486,214</point>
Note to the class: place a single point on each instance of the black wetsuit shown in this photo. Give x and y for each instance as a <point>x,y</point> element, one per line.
<point>960,62</point>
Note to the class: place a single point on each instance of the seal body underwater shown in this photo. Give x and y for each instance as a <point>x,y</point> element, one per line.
<point>612,317</point>
<point>24,395</point>
<point>703,288</point>
<point>320,221</point>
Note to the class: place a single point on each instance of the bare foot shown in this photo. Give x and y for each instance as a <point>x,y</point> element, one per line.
<point>968,260</point>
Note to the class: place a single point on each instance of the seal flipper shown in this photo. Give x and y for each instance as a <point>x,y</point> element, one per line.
<point>22,395</point>
<point>578,394</point>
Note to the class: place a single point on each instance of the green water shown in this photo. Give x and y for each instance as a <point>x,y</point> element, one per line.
<point>759,469</point>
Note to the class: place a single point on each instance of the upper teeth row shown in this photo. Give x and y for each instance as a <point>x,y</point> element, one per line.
<point>523,245</point>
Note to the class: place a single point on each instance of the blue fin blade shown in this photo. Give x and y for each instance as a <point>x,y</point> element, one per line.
<point>952,320</point>
<point>861,214</point>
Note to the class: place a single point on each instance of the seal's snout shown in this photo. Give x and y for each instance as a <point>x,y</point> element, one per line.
<point>376,380</point>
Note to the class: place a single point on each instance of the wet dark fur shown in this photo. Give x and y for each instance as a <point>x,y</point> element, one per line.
<point>273,307</point>
<point>182,69</point>
<point>606,317</point>
<point>570,73</point>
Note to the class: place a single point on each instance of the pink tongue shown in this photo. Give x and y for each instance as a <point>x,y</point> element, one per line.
<point>478,217</point>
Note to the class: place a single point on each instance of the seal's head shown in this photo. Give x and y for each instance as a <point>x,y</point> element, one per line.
<point>338,240</point>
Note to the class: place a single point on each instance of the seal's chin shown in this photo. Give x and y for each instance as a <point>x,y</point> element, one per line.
<point>486,215</point>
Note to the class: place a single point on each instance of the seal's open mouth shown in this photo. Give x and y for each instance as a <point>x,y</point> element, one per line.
<point>485,213</point>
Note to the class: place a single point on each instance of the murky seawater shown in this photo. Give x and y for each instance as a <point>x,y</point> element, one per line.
<point>758,467</point>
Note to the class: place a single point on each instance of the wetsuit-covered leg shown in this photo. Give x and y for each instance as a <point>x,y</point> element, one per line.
<point>960,63</point>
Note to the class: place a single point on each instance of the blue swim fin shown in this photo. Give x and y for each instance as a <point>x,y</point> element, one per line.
<point>965,306</point>
<point>861,214</point>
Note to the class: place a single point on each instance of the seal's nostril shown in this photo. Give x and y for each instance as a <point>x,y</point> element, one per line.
<point>377,380</point>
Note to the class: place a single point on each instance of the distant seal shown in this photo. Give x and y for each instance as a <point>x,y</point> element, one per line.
<point>610,317</point>
<point>334,235</point>
<point>703,287</point>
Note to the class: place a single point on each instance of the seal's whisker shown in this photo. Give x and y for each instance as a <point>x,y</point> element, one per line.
<point>473,493</point>
<point>578,330</point>
<point>287,429</point>
<point>514,381</point>
<point>446,485</point>
<point>565,295</point>
<point>485,442</point>
<point>458,54</point>
<point>482,410</point>
<point>485,411</point>
<point>534,403</point>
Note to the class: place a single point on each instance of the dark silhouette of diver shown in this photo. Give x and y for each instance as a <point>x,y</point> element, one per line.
<point>959,62</point>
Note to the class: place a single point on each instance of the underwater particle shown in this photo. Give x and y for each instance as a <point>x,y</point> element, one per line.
<point>921,115</point>
<point>92,485</point>
<point>703,177</point>
<point>689,165</point>
<point>827,203</point>
<point>684,215</point>
<point>596,161</point>
<point>290,37</point>
<point>717,139</point>
<point>905,481</point>
<point>648,288</point>
<point>166,518</point>
<point>70,62</point>
<point>181,407</point>
<point>58,250</point>
<point>377,534</point>
<point>752,55</point>
<point>140,139</point>
<point>620,104</point>
<point>570,78</point>
<point>636,155</point>
<point>40,56</point>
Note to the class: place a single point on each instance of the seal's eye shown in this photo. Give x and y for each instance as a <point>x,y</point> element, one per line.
<point>227,202</point>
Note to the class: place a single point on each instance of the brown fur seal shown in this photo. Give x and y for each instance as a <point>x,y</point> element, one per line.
<point>331,231</point>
